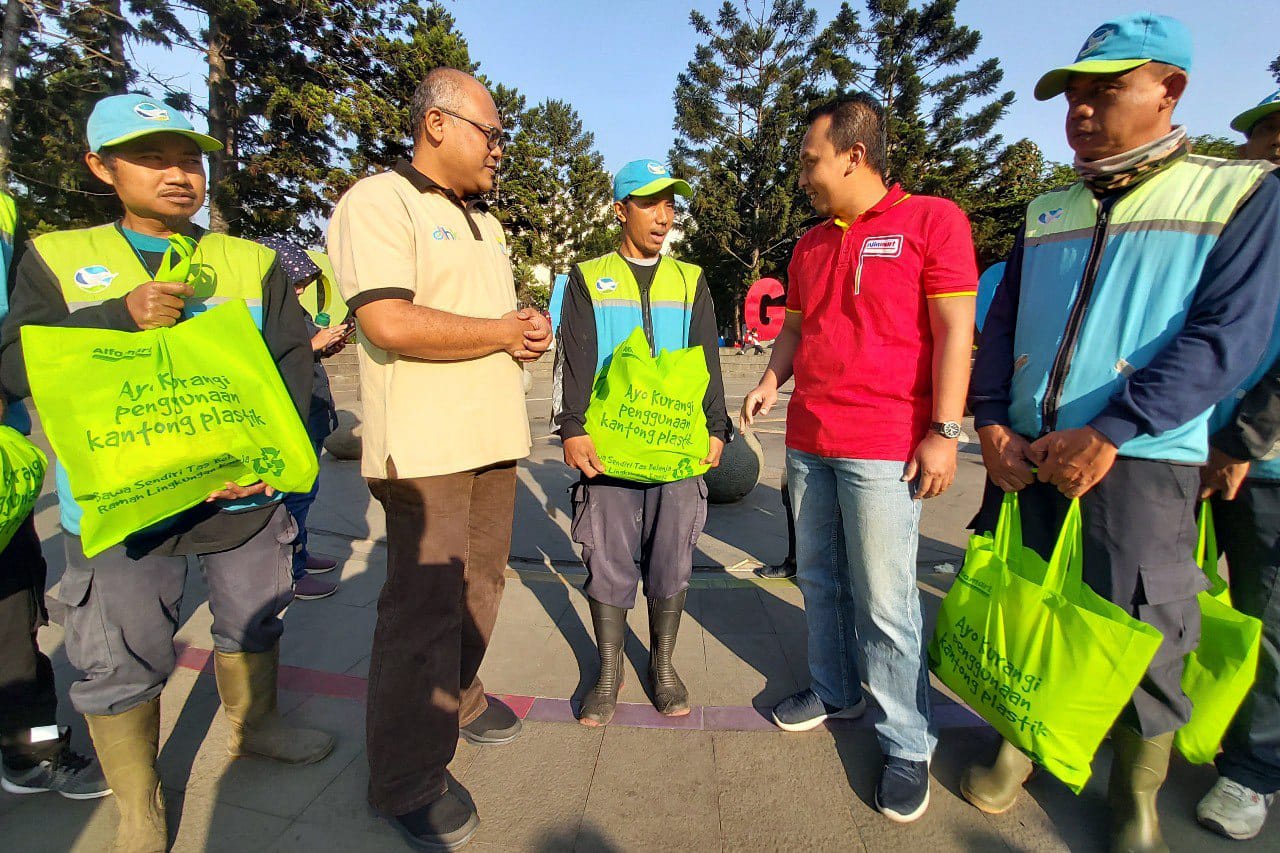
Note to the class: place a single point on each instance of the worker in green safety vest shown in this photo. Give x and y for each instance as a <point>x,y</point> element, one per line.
<point>605,301</point>
<point>120,608</point>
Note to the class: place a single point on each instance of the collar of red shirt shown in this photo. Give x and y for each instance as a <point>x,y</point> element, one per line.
<point>891,197</point>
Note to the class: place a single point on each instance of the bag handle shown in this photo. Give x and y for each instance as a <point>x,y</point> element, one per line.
<point>1065,571</point>
<point>1207,554</point>
<point>1008,534</point>
<point>175,266</point>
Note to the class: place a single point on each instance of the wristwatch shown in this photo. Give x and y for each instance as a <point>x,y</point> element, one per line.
<point>946,429</point>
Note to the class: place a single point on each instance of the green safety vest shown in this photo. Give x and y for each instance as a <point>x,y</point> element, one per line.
<point>615,298</point>
<point>1150,254</point>
<point>93,265</point>
<point>8,227</point>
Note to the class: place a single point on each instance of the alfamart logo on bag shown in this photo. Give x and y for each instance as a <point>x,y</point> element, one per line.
<point>94,279</point>
<point>606,285</point>
<point>111,354</point>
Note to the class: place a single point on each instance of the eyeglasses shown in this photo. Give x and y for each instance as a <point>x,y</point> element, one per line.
<point>495,136</point>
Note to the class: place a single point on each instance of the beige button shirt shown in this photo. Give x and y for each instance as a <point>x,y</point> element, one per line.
<point>397,235</point>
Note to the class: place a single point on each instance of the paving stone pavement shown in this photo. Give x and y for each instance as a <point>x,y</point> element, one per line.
<point>727,782</point>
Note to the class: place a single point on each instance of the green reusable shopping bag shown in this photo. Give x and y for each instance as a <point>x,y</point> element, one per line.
<point>1035,652</point>
<point>160,419</point>
<point>645,414</point>
<point>1223,667</point>
<point>22,467</point>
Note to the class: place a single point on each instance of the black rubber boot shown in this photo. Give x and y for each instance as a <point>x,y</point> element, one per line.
<point>610,625</point>
<point>669,694</point>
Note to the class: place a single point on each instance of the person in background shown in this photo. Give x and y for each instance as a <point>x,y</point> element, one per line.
<point>35,755</point>
<point>322,419</point>
<point>1243,479</point>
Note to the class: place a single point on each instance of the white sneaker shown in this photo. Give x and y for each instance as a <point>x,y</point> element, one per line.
<point>1233,810</point>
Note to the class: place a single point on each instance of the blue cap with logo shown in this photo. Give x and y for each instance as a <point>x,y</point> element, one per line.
<point>645,178</point>
<point>1123,44</point>
<point>116,119</point>
<point>1247,119</point>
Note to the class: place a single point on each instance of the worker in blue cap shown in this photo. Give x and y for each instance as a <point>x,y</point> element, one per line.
<point>120,607</point>
<point>1244,485</point>
<point>606,299</point>
<point>1133,301</point>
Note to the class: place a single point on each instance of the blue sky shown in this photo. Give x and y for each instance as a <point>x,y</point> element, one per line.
<point>616,62</point>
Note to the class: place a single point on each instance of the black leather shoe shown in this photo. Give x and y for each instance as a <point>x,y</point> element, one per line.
<point>498,724</point>
<point>443,824</point>
<point>782,571</point>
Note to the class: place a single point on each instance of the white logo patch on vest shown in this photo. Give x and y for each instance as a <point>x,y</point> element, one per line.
<point>94,278</point>
<point>151,112</point>
<point>606,285</point>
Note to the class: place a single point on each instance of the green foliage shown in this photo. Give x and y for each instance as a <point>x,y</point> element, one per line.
<point>1215,146</point>
<point>553,197</point>
<point>740,106</point>
<point>760,66</point>
<point>997,204</point>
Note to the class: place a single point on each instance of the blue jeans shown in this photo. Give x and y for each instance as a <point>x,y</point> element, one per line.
<point>860,596</point>
<point>299,504</point>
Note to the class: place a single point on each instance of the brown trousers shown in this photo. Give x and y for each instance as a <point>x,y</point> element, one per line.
<point>448,539</point>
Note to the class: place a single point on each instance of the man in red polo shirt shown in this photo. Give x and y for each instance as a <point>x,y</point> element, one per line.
<point>879,327</point>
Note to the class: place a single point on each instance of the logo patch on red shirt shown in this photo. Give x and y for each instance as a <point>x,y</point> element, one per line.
<point>876,247</point>
<point>882,247</point>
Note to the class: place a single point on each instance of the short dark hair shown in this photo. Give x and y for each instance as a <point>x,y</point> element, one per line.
<point>855,118</point>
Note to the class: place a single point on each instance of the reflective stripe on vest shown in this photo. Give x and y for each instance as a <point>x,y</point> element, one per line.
<point>1153,251</point>
<point>615,298</point>
<point>93,265</point>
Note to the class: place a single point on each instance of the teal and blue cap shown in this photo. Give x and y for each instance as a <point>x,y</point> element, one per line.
<point>1123,44</point>
<point>117,119</point>
<point>1247,119</point>
<point>645,178</point>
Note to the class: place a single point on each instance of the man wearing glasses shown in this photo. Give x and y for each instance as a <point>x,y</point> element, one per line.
<point>425,269</point>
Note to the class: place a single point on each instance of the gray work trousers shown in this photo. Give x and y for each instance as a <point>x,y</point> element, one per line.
<point>120,614</point>
<point>613,519</point>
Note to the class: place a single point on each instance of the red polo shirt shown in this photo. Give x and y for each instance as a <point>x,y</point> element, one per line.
<point>864,367</point>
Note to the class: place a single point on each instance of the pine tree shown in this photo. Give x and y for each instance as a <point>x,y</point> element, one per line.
<point>740,108</point>
<point>554,198</point>
<point>942,104</point>
<point>1000,202</point>
<point>65,57</point>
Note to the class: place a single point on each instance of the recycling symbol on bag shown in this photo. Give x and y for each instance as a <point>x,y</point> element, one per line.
<point>269,463</point>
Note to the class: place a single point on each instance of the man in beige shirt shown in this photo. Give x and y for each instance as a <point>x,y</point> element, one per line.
<point>426,270</point>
